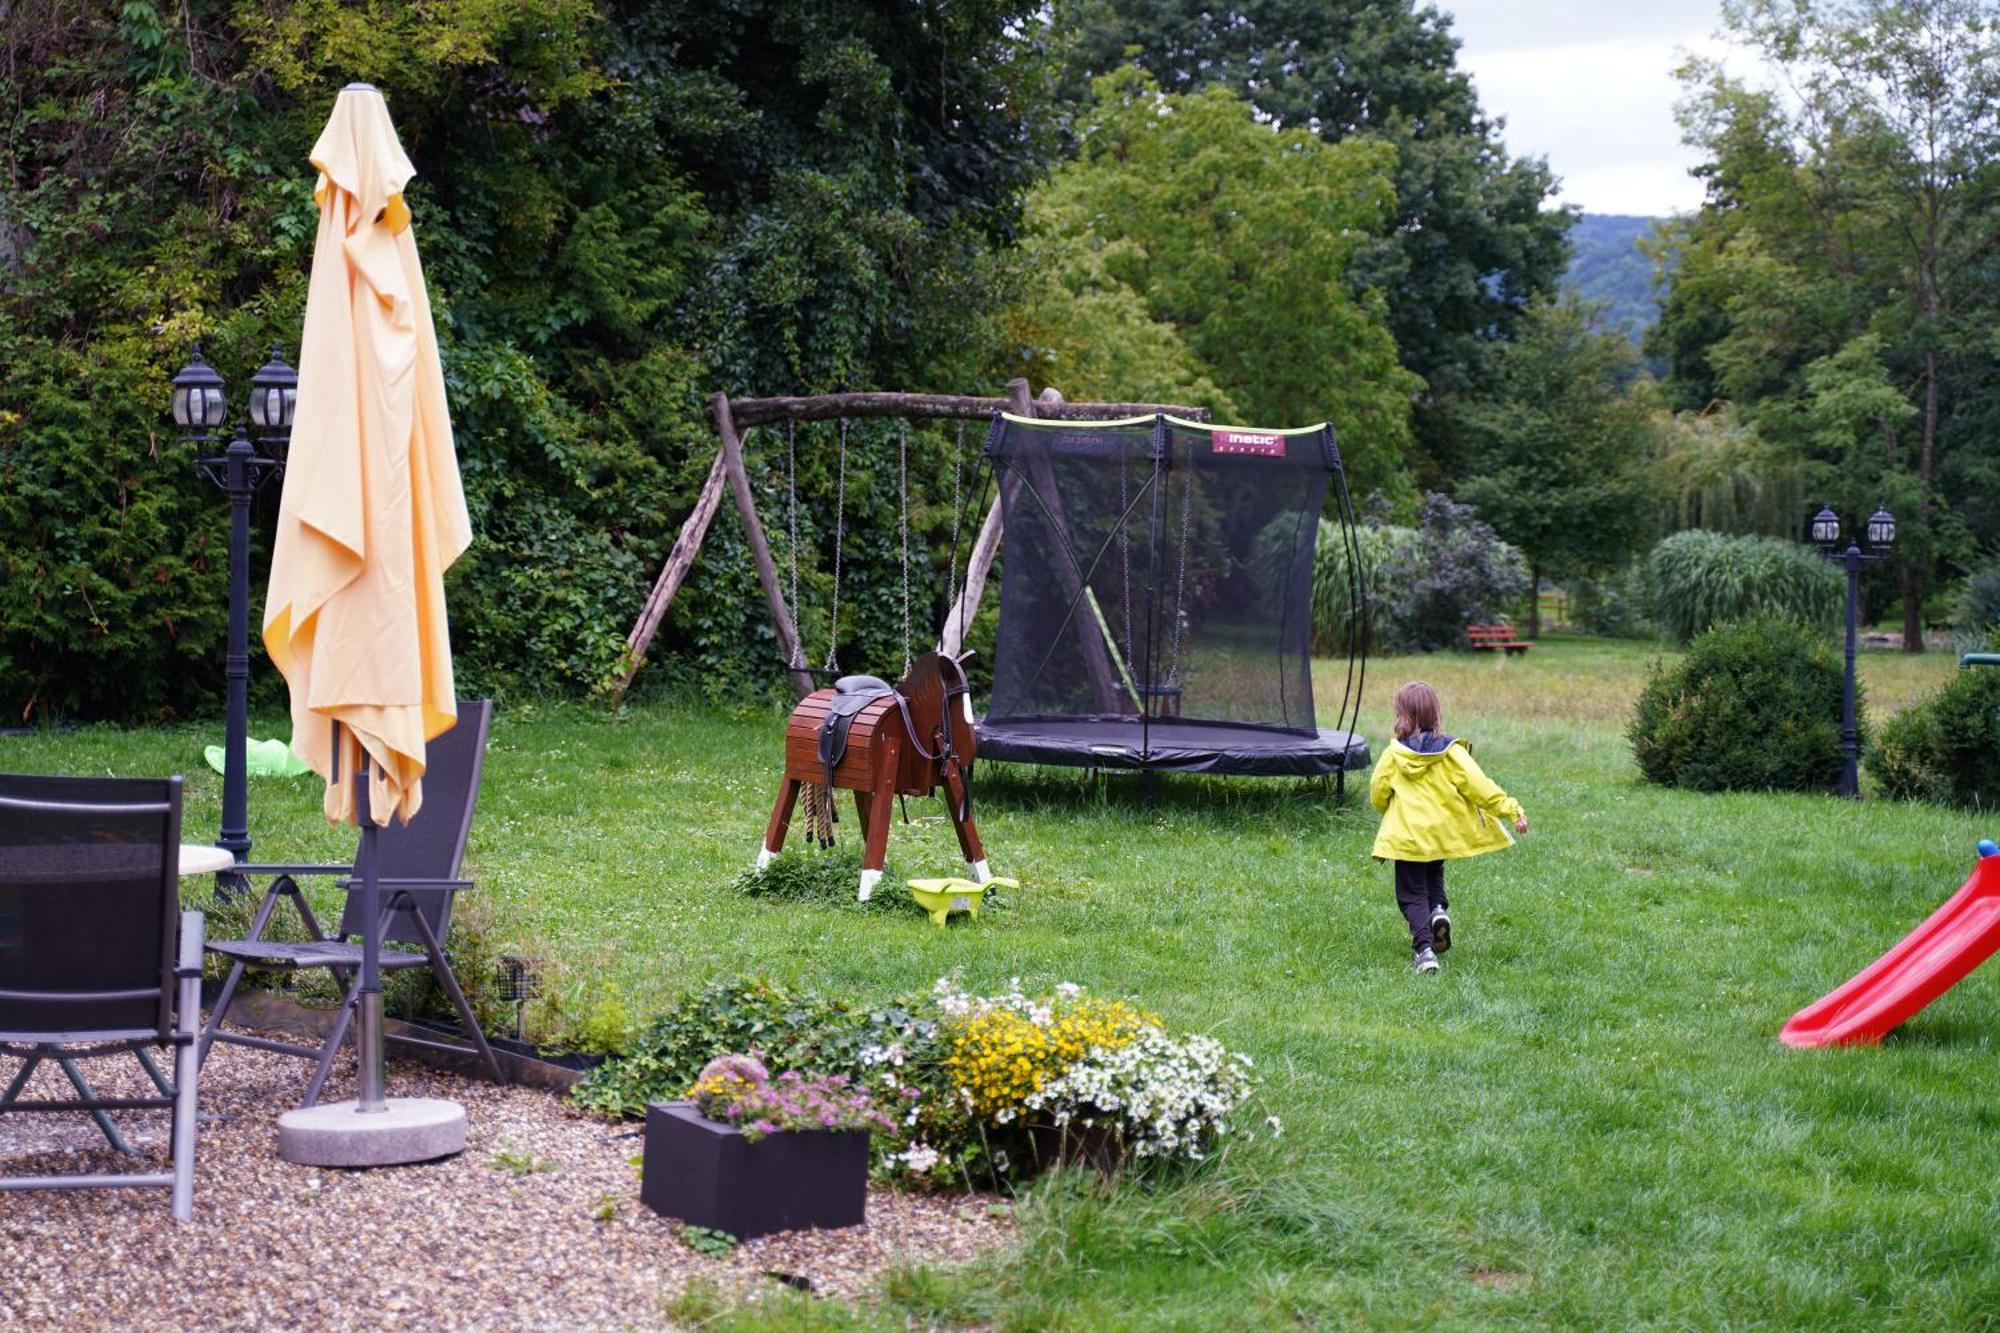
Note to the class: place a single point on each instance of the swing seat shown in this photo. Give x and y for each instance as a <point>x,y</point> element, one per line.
<point>941,897</point>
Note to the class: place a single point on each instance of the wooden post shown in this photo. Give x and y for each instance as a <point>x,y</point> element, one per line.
<point>679,561</point>
<point>760,550</point>
<point>959,619</point>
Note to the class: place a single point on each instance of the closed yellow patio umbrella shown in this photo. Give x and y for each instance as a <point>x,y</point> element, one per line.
<point>372,516</point>
<point>373,513</point>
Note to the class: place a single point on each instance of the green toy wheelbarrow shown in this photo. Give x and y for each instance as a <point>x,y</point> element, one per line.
<point>942,897</point>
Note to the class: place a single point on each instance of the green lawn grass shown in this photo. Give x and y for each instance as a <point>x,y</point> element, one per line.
<point>1585,1121</point>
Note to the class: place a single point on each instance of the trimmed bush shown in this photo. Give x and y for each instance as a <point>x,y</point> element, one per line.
<point>1696,580</point>
<point>1947,748</point>
<point>1754,705</point>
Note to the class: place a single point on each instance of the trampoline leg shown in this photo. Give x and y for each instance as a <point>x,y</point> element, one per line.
<point>981,872</point>
<point>1151,794</point>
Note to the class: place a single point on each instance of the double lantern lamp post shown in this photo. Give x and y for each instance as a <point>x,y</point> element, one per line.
<point>240,471</point>
<point>1881,537</point>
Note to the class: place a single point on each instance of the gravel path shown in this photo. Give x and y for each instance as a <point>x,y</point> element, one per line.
<point>536,1225</point>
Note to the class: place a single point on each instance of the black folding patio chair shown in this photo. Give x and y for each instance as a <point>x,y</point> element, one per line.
<point>96,957</point>
<point>419,873</point>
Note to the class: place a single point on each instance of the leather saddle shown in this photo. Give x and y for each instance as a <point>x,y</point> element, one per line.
<point>851,694</point>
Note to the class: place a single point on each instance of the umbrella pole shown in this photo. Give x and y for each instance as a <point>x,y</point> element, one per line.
<point>370,1130</point>
<point>368,1002</point>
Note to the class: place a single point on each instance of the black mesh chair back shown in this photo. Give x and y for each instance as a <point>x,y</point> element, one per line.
<point>432,846</point>
<point>89,907</point>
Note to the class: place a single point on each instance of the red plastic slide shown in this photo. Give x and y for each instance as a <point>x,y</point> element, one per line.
<point>1958,937</point>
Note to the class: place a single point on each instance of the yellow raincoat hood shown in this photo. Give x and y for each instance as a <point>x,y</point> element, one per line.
<point>1438,807</point>
<point>373,513</point>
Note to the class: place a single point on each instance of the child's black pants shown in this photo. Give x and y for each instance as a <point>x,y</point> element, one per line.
<point>1419,889</point>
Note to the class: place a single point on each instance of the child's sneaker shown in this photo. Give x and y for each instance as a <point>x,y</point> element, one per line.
<point>1441,929</point>
<point>1425,961</point>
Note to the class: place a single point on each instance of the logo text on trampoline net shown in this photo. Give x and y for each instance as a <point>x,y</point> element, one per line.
<point>1247,442</point>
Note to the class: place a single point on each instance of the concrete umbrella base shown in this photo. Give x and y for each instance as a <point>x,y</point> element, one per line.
<point>408,1129</point>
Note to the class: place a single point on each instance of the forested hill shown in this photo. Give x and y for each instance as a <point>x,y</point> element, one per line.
<point>1607,269</point>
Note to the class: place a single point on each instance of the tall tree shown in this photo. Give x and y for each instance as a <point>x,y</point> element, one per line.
<point>1838,283</point>
<point>1473,245</point>
<point>1241,238</point>
<point>1559,451</point>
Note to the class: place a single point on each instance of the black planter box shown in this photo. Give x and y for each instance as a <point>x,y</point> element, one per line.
<point>704,1173</point>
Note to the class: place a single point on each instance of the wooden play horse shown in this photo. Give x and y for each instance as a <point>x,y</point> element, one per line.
<point>880,742</point>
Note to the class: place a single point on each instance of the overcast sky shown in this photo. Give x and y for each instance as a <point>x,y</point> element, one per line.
<point>1589,85</point>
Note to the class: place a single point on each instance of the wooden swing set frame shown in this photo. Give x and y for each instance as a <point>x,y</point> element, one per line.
<point>734,419</point>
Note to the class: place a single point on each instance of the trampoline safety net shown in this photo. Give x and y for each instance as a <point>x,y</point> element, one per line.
<point>1155,600</point>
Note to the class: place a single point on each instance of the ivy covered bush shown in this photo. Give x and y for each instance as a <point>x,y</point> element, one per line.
<point>621,209</point>
<point>1946,748</point>
<point>1697,579</point>
<point>1754,705</point>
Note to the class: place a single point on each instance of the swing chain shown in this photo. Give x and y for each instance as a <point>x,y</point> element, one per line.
<point>957,513</point>
<point>798,656</point>
<point>903,471</point>
<point>839,543</point>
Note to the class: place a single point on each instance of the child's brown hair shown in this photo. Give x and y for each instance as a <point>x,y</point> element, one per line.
<point>1417,710</point>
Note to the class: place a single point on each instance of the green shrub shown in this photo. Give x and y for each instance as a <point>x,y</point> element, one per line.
<point>1335,613</point>
<point>1615,606</point>
<point>1696,579</point>
<point>827,878</point>
<point>1424,584</point>
<point>786,1028</point>
<point>1455,571</point>
<point>1979,601</point>
<point>1946,748</point>
<point>1754,705</point>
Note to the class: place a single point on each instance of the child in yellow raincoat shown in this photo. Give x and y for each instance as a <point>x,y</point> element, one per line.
<point>1436,805</point>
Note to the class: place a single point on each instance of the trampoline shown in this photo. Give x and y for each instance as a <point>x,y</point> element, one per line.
<point>1155,599</point>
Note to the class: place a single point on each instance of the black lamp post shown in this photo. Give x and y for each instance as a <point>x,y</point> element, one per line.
<point>1826,535</point>
<point>240,470</point>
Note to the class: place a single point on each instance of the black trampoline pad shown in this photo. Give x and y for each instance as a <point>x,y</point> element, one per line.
<point>1168,746</point>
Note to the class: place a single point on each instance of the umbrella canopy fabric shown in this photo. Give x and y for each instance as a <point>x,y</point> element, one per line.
<point>373,512</point>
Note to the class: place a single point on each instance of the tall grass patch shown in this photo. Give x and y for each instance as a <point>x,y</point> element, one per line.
<point>1696,580</point>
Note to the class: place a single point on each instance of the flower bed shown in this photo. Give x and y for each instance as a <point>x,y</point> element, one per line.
<point>978,1090</point>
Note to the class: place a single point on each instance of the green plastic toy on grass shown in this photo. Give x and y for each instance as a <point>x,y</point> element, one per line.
<point>263,759</point>
<point>942,897</point>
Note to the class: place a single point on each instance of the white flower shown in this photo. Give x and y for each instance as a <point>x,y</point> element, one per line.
<point>919,1157</point>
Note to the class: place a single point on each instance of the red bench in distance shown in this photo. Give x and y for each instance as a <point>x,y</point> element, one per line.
<point>1495,638</point>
